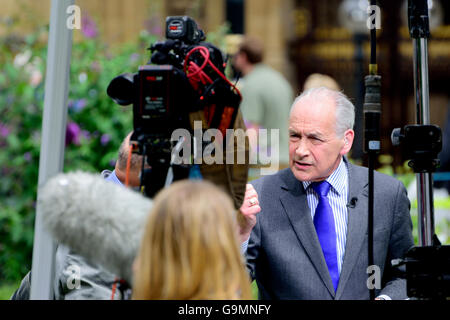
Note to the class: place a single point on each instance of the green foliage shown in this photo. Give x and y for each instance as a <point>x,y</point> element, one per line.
<point>403,173</point>
<point>254,290</point>
<point>96,127</point>
<point>7,290</point>
<point>406,175</point>
<point>217,37</point>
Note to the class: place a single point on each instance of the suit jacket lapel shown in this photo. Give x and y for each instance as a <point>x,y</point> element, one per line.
<point>295,204</point>
<point>357,223</point>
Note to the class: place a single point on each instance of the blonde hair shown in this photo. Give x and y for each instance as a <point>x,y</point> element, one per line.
<point>316,80</point>
<point>190,247</point>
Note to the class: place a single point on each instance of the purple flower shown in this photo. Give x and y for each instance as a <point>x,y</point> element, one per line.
<point>4,130</point>
<point>88,27</point>
<point>105,138</point>
<point>134,57</point>
<point>78,105</point>
<point>73,133</point>
<point>157,30</point>
<point>27,156</point>
<point>112,163</point>
<point>153,26</point>
<point>86,134</point>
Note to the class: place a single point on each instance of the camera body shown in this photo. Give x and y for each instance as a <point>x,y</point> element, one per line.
<point>184,29</point>
<point>184,75</point>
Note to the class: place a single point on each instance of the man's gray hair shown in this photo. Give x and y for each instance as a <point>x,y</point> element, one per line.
<point>345,110</point>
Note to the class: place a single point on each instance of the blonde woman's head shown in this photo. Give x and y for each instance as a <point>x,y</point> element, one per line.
<point>317,80</point>
<point>190,247</point>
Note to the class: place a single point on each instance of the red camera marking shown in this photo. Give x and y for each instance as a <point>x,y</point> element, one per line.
<point>151,78</point>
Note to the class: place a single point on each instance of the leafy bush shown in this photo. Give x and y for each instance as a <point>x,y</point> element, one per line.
<point>406,175</point>
<point>95,126</point>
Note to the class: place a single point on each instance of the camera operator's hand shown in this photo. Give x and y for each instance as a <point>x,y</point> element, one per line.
<point>247,218</point>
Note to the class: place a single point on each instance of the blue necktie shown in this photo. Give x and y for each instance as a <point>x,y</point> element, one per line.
<point>326,232</point>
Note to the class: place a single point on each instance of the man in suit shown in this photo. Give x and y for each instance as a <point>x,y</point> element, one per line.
<point>310,239</point>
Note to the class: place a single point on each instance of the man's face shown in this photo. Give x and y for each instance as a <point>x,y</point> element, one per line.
<point>238,60</point>
<point>315,150</point>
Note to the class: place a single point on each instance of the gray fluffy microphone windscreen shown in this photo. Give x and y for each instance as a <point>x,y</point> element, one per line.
<point>99,220</point>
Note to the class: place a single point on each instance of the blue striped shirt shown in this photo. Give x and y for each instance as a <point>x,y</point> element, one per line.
<point>337,197</point>
<point>111,176</point>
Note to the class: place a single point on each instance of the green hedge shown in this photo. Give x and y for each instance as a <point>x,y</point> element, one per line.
<point>96,126</point>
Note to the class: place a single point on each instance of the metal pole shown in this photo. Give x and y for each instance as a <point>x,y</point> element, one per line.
<point>425,208</point>
<point>420,60</point>
<point>424,180</point>
<point>372,141</point>
<point>53,138</point>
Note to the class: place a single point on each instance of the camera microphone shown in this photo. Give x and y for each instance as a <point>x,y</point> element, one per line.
<point>99,220</point>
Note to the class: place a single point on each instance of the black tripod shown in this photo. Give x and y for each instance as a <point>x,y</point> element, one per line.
<point>428,265</point>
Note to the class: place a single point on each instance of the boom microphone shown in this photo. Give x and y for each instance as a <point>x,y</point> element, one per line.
<point>99,220</point>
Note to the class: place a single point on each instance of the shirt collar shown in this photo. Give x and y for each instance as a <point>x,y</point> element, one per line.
<point>112,177</point>
<point>337,179</point>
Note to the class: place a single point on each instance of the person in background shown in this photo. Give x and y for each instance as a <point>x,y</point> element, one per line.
<point>266,96</point>
<point>316,80</point>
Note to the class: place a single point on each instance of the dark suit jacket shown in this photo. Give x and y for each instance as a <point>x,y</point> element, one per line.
<point>284,253</point>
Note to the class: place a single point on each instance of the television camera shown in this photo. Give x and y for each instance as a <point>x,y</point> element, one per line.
<point>184,75</point>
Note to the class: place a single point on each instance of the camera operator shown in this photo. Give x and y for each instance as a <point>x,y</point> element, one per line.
<point>118,175</point>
